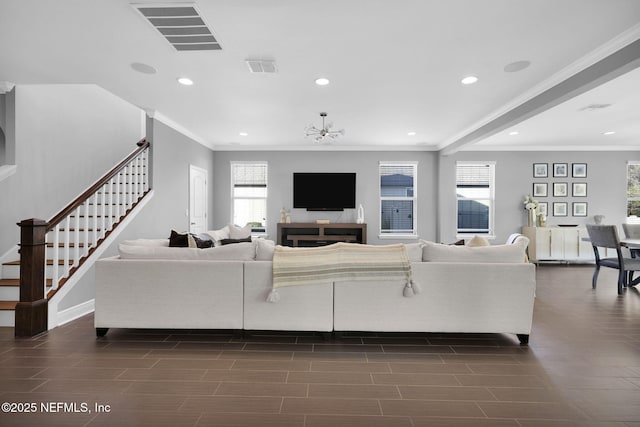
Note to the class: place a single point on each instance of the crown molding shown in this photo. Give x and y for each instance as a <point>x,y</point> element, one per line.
<point>551,148</point>
<point>156,115</point>
<point>238,147</point>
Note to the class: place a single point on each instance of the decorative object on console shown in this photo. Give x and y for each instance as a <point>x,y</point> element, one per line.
<point>323,221</point>
<point>360,219</point>
<point>325,132</point>
<point>283,215</point>
<point>598,219</point>
<point>542,219</point>
<point>531,205</point>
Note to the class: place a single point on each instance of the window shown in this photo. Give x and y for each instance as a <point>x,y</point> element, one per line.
<point>398,199</point>
<point>249,195</point>
<point>633,192</point>
<point>475,197</point>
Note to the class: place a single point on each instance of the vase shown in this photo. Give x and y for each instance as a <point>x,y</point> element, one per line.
<point>532,217</point>
<point>360,219</point>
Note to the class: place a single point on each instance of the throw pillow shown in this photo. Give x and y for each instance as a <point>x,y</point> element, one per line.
<point>230,241</point>
<point>265,249</point>
<point>218,235</point>
<point>414,251</point>
<point>178,240</point>
<point>478,241</point>
<point>236,232</point>
<point>436,252</point>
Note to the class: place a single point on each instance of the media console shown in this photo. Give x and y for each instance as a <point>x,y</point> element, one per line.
<point>313,234</point>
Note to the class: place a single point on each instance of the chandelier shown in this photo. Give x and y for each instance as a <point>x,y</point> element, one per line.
<point>319,135</point>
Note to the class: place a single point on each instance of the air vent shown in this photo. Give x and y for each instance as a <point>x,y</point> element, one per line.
<point>182,26</point>
<point>261,66</point>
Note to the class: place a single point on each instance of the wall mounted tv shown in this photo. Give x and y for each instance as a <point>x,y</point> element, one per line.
<point>324,191</point>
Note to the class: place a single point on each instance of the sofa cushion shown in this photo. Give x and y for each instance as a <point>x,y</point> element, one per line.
<point>240,252</point>
<point>265,249</point>
<point>236,232</point>
<point>178,240</point>
<point>477,241</point>
<point>146,242</point>
<point>230,241</point>
<point>414,251</point>
<point>496,253</point>
<point>218,235</point>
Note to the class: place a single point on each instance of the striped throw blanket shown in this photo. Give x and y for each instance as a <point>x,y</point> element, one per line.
<point>340,262</point>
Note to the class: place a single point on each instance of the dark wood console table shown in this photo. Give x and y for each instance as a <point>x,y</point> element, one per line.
<point>313,234</point>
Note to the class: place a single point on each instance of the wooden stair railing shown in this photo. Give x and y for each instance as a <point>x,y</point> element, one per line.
<point>73,234</point>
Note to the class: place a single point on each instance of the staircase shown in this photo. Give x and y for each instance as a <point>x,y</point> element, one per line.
<point>55,254</point>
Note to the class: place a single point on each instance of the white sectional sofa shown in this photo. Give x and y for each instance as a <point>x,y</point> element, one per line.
<point>463,289</point>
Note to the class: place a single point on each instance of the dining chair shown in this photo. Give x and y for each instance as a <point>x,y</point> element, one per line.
<point>606,236</point>
<point>632,231</point>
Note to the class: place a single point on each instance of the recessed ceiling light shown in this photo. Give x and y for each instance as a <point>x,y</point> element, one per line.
<point>469,80</point>
<point>185,81</point>
<point>322,81</point>
<point>412,133</point>
<point>611,132</point>
<point>515,132</point>
<point>514,67</point>
<point>143,68</point>
<point>243,134</point>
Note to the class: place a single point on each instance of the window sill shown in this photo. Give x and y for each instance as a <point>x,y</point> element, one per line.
<point>472,235</point>
<point>398,236</point>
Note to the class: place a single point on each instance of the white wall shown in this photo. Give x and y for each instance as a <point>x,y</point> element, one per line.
<point>66,137</point>
<point>282,165</point>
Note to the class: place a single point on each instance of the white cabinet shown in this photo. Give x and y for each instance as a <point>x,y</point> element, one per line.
<point>558,244</point>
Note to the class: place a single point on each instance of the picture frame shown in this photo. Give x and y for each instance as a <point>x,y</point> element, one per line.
<point>542,208</point>
<point>540,189</point>
<point>540,170</point>
<point>579,170</point>
<point>579,208</point>
<point>560,209</point>
<point>579,189</point>
<point>560,170</point>
<point>560,189</point>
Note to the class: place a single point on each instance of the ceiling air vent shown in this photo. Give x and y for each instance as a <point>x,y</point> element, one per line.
<point>261,66</point>
<point>182,26</point>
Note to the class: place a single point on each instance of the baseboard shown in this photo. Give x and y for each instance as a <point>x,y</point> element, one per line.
<point>73,313</point>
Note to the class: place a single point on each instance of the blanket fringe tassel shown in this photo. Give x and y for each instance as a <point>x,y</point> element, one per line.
<point>411,289</point>
<point>274,296</point>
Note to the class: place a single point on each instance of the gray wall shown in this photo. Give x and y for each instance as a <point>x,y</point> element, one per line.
<point>282,164</point>
<point>606,187</point>
<point>172,155</point>
<point>66,137</point>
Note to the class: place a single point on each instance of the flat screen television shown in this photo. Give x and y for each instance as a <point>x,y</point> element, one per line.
<point>324,191</point>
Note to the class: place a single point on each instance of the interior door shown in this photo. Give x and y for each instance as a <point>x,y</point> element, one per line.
<point>197,199</point>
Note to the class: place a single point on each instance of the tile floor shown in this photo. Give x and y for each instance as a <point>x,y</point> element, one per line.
<point>582,368</point>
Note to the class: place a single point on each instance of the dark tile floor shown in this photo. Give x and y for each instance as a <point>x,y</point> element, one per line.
<point>582,368</point>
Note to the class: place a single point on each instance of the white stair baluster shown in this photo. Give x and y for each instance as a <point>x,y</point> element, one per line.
<point>85,235</point>
<point>76,240</point>
<point>112,184</point>
<point>103,221</point>
<point>95,219</point>
<point>55,279</point>
<point>65,248</point>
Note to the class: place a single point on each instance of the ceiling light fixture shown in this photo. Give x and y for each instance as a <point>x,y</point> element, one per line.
<point>469,80</point>
<point>185,81</point>
<point>243,134</point>
<point>611,132</point>
<point>324,132</point>
<point>322,81</point>
<point>515,132</point>
<point>412,133</point>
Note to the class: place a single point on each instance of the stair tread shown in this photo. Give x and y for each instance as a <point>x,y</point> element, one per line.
<point>16,282</point>
<point>49,262</point>
<point>8,305</point>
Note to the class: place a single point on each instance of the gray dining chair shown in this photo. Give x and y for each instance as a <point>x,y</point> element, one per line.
<point>632,231</point>
<point>606,236</point>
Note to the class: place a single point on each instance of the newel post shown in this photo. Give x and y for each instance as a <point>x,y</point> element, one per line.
<point>31,311</point>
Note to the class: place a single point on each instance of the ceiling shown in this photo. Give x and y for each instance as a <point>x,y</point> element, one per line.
<point>394,67</point>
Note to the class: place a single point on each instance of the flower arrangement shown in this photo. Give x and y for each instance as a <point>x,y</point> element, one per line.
<point>530,203</point>
<point>531,206</point>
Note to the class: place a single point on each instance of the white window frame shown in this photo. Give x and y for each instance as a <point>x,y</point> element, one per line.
<point>233,198</point>
<point>413,234</point>
<point>629,219</point>
<point>491,234</point>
